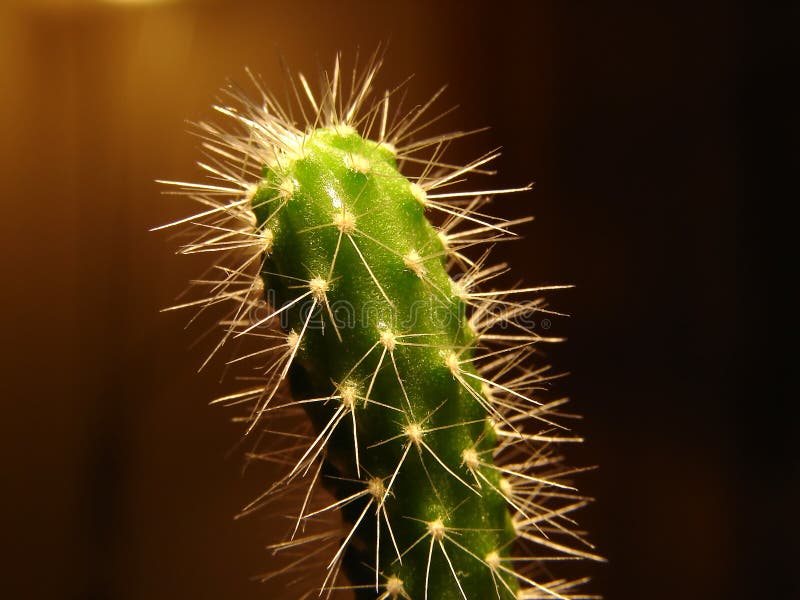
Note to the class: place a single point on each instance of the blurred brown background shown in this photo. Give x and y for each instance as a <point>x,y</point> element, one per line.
<point>654,137</point>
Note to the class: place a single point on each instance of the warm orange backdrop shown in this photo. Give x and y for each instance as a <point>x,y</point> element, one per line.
<point>633,122</point>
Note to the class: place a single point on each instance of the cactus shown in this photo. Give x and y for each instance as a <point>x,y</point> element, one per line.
<point>423,424</point>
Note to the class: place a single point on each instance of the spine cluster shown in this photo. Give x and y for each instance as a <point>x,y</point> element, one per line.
<point>424,422</point>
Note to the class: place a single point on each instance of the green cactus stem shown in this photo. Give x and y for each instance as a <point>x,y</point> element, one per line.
<point>426,425</point>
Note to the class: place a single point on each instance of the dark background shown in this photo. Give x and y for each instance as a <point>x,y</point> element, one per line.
<point>657,138</point>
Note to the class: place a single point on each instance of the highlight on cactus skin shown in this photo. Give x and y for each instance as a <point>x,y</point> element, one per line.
<point>425,466</point>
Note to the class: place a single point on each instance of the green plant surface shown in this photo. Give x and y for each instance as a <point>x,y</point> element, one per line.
<point>426,425</point>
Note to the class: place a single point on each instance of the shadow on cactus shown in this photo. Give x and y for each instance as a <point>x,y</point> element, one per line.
<point>427,466</point>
